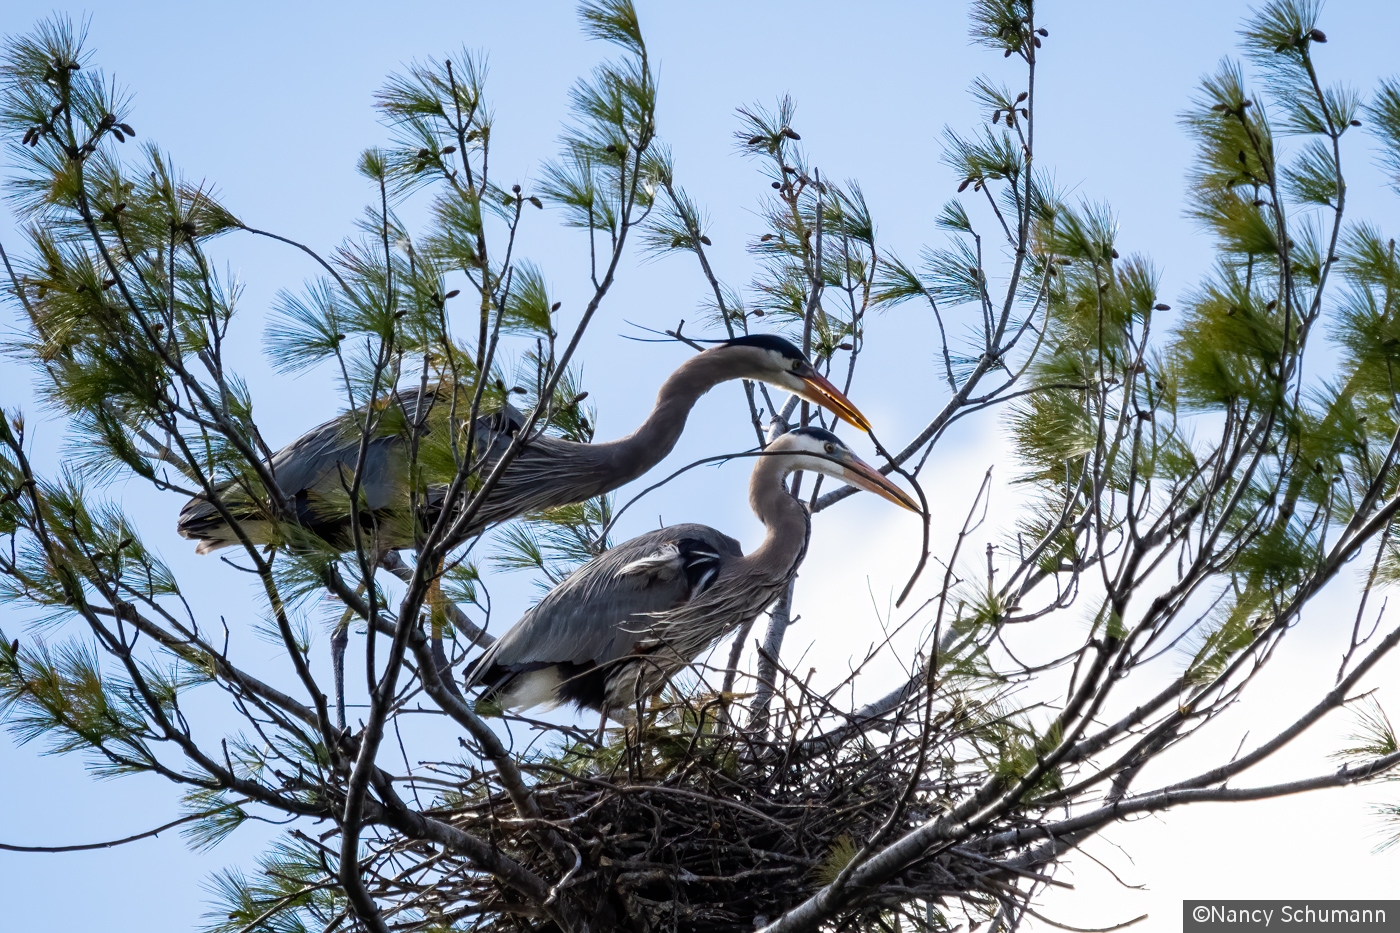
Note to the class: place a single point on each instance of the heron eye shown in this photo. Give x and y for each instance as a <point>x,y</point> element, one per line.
<point>796,365</point>
<point>831,448</point>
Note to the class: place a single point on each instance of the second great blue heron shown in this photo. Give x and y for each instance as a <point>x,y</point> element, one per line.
<point>622,625</point>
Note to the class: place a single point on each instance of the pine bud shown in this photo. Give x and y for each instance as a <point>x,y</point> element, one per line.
<point>1037,43</point>
<point>448,150</point>
<point>517,390</point>
<point>996,116</point>
<point>339,338</point>
<point>515,188</point>
<point>157,327</point>
<point>423,154</point>
<point>1011,119</point>
<point>706,241</point>
<point>555,307</point>
<point>1023,95</point>
<point>126,128</point>
<point>452,294</point>
<point>757,140</point>
<point>776,185</point>
<point>1246,105</point>
<point>1113,253</point>
<point>788,132</point>
<point>14,646</point>
<point>1161,307</point>
<point>1006,54</point>
<point>963,187</point>
<point>1044,32</point>
<point>580,397</point>
<point>610,147</point>
<point>757,312</point>
<point>1355,122</point>
<point>765,238</point>
<point>1241,157</point>
<point>843,346</point>
<point>537,202</point>
<point>1271,306</point>
<point>1259,202</point>
<point>118,133</point>
<point>1317,35</point>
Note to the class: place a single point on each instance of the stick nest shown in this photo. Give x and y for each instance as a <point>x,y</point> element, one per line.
<point>687,825</point>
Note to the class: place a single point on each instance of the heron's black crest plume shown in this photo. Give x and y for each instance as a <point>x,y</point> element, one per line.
<point>821,434</point>
<point>762,341</point>
<point>767,342</point>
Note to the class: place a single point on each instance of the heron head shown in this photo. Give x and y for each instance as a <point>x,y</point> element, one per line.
<point>819,451</point>
<point>771,359</point>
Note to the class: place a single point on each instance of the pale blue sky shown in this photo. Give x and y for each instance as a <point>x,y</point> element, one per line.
<point>271,103</point>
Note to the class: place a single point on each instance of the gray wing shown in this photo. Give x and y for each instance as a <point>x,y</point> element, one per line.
<point>311,469</point>
<point>298,468</point>
<point>598,613</point>
<point>325,457</point>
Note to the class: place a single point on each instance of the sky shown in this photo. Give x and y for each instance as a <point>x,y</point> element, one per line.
<point>271,103</point>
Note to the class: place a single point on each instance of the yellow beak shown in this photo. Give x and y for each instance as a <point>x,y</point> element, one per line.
<point>859,473</point>
<point>820,391</point>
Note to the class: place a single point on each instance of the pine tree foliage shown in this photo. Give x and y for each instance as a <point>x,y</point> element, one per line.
<point>1193,485</point>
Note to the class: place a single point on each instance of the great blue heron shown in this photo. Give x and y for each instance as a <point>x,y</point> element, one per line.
<point>621,626</point>
<point>316,469</point>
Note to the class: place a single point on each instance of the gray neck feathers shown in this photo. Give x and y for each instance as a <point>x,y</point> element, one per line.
<point>631,456</point>
<point>786,520</point>
<point>551,471</point>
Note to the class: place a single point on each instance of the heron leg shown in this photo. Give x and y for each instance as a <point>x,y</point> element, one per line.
<point>437,621</point>
<point>339,640</point>
<point>602,726</point>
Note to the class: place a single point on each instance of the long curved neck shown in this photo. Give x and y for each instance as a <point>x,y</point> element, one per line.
<point>786,520</point>
<point>551,471</point>
<point>631,456</point>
